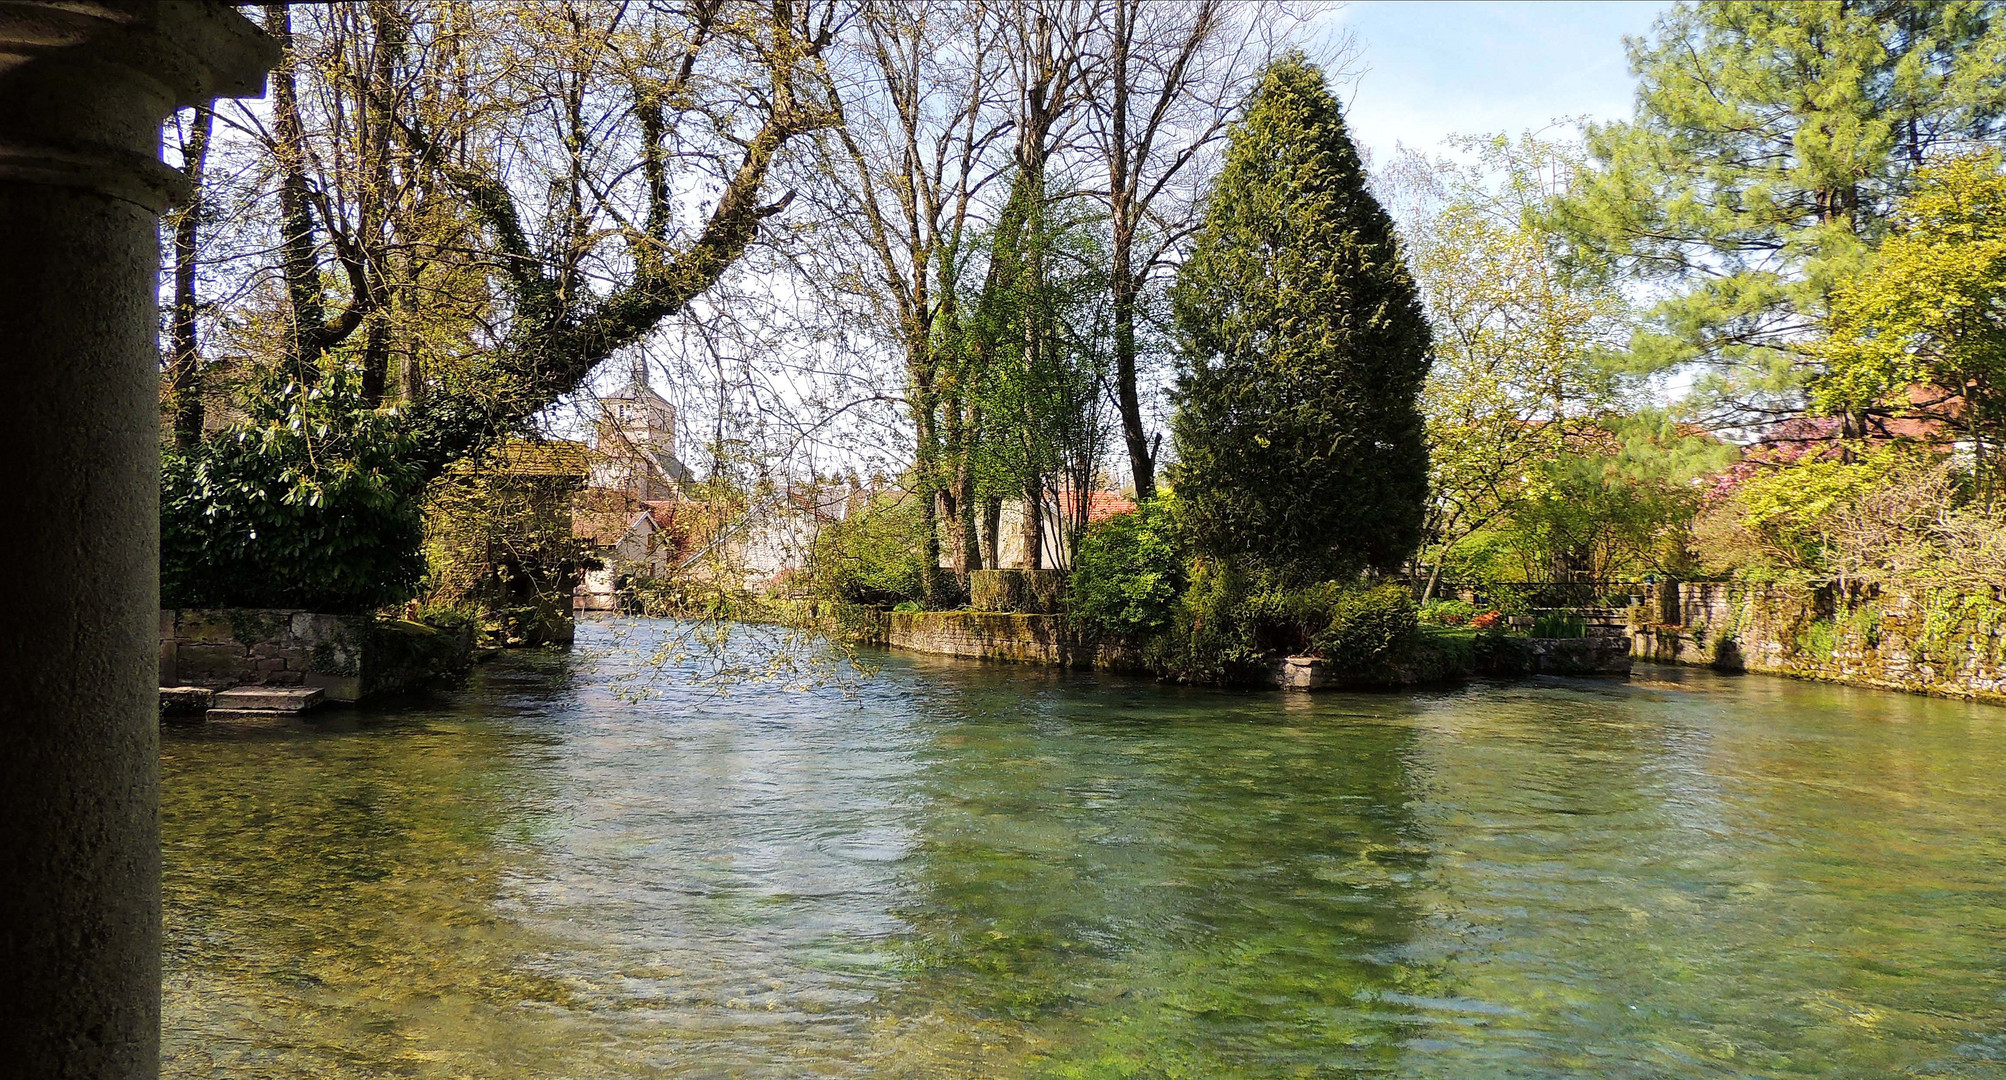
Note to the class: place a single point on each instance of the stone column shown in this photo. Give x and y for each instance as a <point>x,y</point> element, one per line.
<point>83,90</point>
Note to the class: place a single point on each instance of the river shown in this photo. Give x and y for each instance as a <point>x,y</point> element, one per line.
<point>572,868</point>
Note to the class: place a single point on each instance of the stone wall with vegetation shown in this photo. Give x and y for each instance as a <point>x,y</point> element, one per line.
<point>1942,642</point>
<point>1035,592</point>
<point>981,635</point>
<point>348,657</point>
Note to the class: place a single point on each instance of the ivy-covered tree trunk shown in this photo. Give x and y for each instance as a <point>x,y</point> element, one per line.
<point>184,365</point>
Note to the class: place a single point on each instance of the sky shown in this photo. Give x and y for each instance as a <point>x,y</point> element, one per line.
<point>1429,70</point>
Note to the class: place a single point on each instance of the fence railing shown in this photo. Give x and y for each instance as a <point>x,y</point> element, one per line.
<point>1532,595</point>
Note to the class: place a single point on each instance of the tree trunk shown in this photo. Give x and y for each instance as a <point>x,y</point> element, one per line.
<point>1141,462</point>
<point>992,528</point>
<point>376,360</point>
<point>296,247</point>
<point>1034,525</point>
<point>1123,285</point>
<point>1434,579</point>
<point>379,195</point>
<point>184,374</point>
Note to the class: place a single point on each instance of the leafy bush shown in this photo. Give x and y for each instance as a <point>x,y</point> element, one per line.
<point>1283,619</point>
<point>877,555</point>
<point>1447,612</point>
<point>1559,625</point>
<point>1366,626</point>
<point>310,502</point>
<point>1232,620</point>
<point>1488,620</point>
<point>1128,576</point>
<point>1896,516</point>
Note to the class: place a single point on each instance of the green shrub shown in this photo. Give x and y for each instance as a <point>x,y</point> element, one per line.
<point>1820,638</point>
<point>1447,612</point>
<point>1365,627</point>
<point>877,555</point>
<point>1556,624</point>
<point>1279,619</point>
<point>1128,576</point>
<point>310,502</point>
<point>1207,638</point>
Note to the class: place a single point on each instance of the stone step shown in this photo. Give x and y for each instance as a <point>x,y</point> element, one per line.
<point>280,699</point>
<point>250,716</point>
<point>185,700</point>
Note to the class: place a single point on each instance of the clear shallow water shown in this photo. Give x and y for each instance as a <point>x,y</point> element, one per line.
<point>988,871</point>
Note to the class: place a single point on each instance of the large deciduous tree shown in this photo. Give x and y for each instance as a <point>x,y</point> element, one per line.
<point>922,134</point>
<point>1299,437</point>
<point>1925,325</point>
<point>1519,343</point>
<point>500,197</point>
<point>1173,73</point>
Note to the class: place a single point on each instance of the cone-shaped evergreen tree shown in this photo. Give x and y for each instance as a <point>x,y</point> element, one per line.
<point>1299,436</point>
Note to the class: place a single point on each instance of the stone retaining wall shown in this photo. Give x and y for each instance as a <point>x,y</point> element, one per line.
<point>1032,592</point>
<point>221,648</point>
<point>981,635</point>
<point>346,657</point>
<point>1924,643</point>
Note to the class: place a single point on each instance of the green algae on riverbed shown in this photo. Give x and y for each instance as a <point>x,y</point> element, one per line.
<point>969,870</point>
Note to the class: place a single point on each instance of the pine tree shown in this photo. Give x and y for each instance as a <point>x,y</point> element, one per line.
<point>1299,437</point>
<point>1771,140</point>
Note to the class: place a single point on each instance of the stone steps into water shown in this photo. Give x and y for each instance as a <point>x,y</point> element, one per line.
<point>289,699</point>
<point>262,704</point>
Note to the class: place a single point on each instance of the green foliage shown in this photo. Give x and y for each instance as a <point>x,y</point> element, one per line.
<point>1559,625</point>
<point>1618,505</point>
<point>1210,640</point>
<point>1953,620</point>
<point>1231,621</point>
<point>877,555</point>
<point>1022,364</point>
<point>1820,638</point>
<point>1447,612</point>
<point>1896,517</point>
<point>310,502</point>
<point>1769,143</point>
<point>1299,440</point>
<point>1128,576</point>
<point>1931,307</point>
<point>1788,513</point>
<point>1365,627</point>
<point>500,542</point>
<point>1520,346</point>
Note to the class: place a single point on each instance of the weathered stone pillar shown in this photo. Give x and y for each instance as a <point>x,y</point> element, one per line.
<point>83,89</point>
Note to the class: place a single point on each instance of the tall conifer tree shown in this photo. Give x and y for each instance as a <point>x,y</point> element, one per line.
<point>1771,140</point>
<point>1299,437</point>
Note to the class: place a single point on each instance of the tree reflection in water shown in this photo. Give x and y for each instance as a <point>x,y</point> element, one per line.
<point>958,870</point>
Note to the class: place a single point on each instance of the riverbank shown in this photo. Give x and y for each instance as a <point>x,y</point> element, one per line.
<point>1431,656</point>
<point>1940,643</point>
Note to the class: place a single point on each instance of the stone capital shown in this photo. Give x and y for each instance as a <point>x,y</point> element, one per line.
<point>85,84</point>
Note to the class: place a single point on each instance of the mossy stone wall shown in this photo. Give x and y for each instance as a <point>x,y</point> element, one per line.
<point>1919,641</point>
